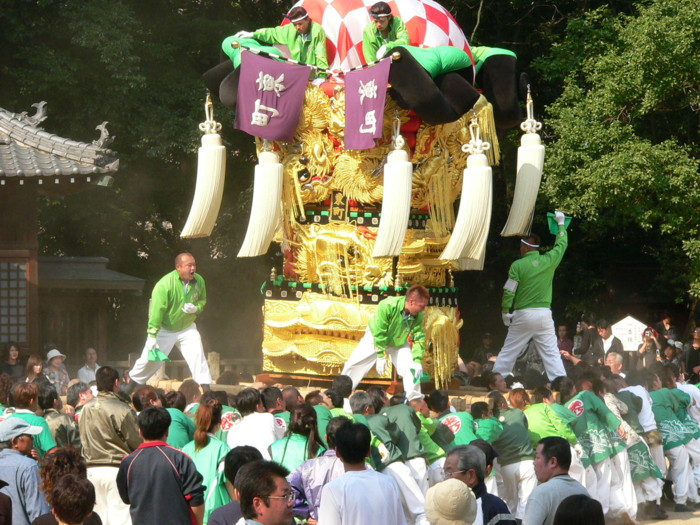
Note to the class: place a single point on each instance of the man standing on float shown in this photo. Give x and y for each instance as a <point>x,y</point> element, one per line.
<point>176,301</point>
<point>528,292</point>
<point>396,330</point>
<point>383,33</point>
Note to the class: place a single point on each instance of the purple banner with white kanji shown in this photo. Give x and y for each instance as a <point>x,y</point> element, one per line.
<point>270,97</point>
<point>365,94</point>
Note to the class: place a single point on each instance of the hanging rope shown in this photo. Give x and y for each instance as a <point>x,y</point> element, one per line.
<point>209,125</point>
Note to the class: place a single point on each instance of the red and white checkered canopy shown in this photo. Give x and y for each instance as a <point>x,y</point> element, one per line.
<point>428,23</point>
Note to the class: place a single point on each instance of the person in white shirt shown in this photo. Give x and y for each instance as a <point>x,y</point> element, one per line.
<point>87,373</point>
<point>257,428</point>
<point>359,496</point>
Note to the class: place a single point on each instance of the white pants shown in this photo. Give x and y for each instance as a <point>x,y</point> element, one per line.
<point>412,497</point>
<point>519,481</point>
<point>491,483</point>
<point>657,454</point>
<point>364,357</point>
<point>535,324</point>
<point>622,495</point>
<point>603,474</point>
<point>693,448</point>
<point>190,344</point>
<point>436,472</point>
<point>591,482</point>
<point>108,504</point>
<point>576,469</point>
<point>649,490</point>
<point>679,472</point>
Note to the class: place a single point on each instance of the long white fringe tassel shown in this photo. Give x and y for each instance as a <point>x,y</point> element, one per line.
<point>528,178</point>
<point>468,239</point>
<point>211,173</point>
<point>266,209</point>
<point>396,202</point>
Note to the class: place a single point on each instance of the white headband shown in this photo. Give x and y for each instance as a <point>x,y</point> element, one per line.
<point>300,18</point>
<point>379,15</point>
<point>528,244</point>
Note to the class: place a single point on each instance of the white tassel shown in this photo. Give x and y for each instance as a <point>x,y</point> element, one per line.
<point>468,239</point>
<point>211,173</point>
<point>396,202</point>
<point>528,177</point>
<point>266,209</point>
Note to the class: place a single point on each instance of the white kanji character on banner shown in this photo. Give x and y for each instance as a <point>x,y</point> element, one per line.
<point>269,83</point>
<point>368,90</point>
<point>262,119</point>
<point>370,125</point>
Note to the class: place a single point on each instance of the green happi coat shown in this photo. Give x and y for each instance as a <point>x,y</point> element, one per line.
<point>210,464</point>
<point>513,445</point>
<point>543,421</point>
<point>393,328</point>
<point>433,451</point>
<point>488,429</point>
<point>168,298</point>
<point>462,426</point>
<point>372,39</point>
<point>684,402</point>
<point>665,407</point>
<point>310,50</point>
<point>291,451</point>
<point>595,427</point>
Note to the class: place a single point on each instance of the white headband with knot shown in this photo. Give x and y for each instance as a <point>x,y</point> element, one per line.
<point>528,244</point>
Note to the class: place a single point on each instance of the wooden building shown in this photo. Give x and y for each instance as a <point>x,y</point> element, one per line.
<point>34,162</point>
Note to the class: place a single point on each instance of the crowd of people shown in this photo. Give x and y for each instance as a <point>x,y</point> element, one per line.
<point>603,441</point>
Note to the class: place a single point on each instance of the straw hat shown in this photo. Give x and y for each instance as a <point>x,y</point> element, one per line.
<point>450,502</point>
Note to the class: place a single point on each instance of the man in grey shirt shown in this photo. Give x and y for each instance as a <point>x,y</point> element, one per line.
<point>552,461</point>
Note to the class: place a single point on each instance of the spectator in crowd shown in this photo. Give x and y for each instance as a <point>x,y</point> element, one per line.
<point>691,358</point>
<point>301,441</point>
<point>648,352</point>
<point>26,396</point>
<point>564,342</point>
<point>579,509</point>
<point>360,495</point>
<point>160,483</point>
<point>181,429</point>
<point>143,397</point>
<point>257,428</point>
<point>666,329</point>
<point>485,352</point>
<point>87,372</point>
<point>231,513</point>
<point>5,388</point>
<point>552,461</point>
<point>78,394</point>
<point>62,426</point>
<point>309,479</point>
<point>54,466</point>
<point>615,362</point>
<point>12,363</point>
<point>273,401</point>
<point>450,503</point>
<point>264,493</point>
<point>109,433</point>
<point>208,453</point>
<point>608,342</point>
<point>34,370</point>
<point>19,471</point>
<point>671,353</point>
<point>73,500</point>
<point>342,384</point>
<point>192,392</point>
<point>292,398</point>
<point>467,463</point>
<point>56,370</point>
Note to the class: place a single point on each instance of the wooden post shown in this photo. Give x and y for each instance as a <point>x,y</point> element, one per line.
<point>214,360</point>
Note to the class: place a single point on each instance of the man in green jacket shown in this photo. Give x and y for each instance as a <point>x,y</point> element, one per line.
<point>383,33</point>
<point>176,301</point>
<point>305,39</point>
<point>528,292</point>
<point>395,329</point>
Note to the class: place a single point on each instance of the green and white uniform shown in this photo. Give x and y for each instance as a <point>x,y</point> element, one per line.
<point>308,49</point>
<point>372,38</point>
<point>528,292</point>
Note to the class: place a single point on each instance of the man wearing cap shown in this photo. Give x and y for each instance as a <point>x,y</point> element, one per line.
<point>383,33</point>
<point>20,472</point>
<point>177,299</point>
<point>305,39</point>
<point>528,292</point>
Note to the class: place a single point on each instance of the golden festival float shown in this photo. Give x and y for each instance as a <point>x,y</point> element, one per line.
<point>358,225</point>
